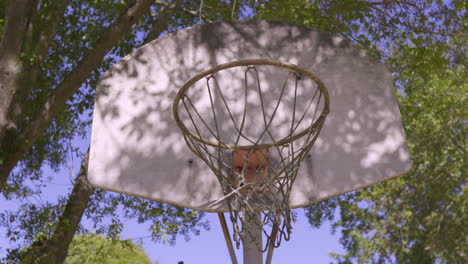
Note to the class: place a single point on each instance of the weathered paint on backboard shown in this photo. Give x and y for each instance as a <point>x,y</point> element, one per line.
<point>138,149</point>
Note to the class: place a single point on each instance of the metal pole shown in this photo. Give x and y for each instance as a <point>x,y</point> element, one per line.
<point>227,237</point>
<point>252,241</point>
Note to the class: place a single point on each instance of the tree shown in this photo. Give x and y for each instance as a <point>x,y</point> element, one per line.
<point>51,55</point>
<point>416,218</point>
<point>419,217</point>
<point>31,30</point>
<point>92,248</point>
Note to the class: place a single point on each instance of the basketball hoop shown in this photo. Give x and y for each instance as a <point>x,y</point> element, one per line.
<point>255,170</point>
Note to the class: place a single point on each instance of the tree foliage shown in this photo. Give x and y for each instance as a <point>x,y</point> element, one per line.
<point>51,55</point>
<point>419,217</point>
<point>93,249</point>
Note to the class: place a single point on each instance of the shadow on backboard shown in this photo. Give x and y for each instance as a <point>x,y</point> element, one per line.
<point>138,149</point>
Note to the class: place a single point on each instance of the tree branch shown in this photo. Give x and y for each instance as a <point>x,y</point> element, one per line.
<point>10,61</point>
<point>36,45</point>
<point>30,25</point>
<point>53,20</point>
<point>412,26</point>
<point>162,21</point>
<point>188,11</point>
<point>15,20</point>
<point>56,102</point>
<point>386,2</point>
<point>54,250</point>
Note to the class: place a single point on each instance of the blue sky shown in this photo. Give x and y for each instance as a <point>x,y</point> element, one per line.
<point>307,245</point>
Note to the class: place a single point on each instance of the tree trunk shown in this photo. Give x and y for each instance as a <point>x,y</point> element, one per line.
<point>10,64</point>
<point>55,249</point>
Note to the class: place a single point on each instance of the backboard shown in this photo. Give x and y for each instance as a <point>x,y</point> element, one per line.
<point>138,149</point>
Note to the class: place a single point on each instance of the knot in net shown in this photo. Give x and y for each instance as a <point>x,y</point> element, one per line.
<point>253,122</point>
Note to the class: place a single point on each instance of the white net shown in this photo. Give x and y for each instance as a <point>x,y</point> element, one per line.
<point>253,138</point>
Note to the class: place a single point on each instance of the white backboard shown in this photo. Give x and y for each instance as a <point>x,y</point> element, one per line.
<point>138,149</point>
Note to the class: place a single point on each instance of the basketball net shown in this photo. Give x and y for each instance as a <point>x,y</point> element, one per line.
<point>258,176</point>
